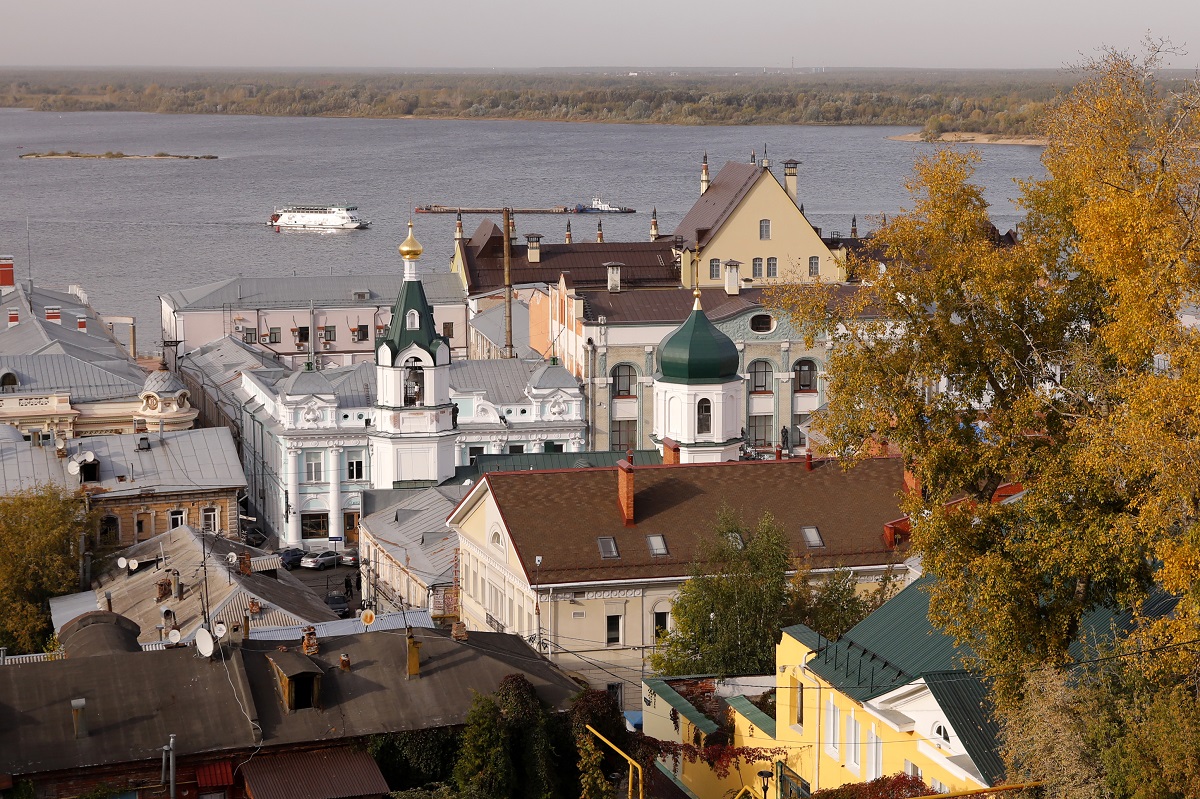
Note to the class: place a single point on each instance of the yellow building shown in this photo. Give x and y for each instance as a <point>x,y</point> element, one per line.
<point>748,228</point>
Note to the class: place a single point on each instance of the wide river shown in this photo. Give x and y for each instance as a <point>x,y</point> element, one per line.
<point>129,230</point>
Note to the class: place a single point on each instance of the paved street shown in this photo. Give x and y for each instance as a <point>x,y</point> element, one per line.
<point>322,582</point>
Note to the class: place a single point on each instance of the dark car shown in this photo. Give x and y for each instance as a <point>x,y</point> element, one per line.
<point>320,560</point>
<point>291,557</point>
<point>349,557</point>
<point>338,604</point>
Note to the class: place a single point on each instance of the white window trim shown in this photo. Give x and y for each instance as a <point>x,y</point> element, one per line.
<point>833,718</point>
<point>853,742</point>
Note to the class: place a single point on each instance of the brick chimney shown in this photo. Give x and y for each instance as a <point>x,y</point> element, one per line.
<point>533,250</point>
<point>54,314</point>
<point>625,489</point>
<point>912,483</point>
<point>81,324</point>
<point>14,317</point>
<point>7,280</point>
<point>670,452</point>
<point>808,464</point>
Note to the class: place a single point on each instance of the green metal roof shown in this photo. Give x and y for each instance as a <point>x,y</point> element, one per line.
<point>752,714</point>
<point>968,707</point>
<point>399,336</point>
<point>697,353</point>
<point>685,708</point>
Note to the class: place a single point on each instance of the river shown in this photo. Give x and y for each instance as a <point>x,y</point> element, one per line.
<point>128,230</point>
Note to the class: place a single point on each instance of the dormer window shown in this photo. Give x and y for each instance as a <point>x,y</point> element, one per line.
<point>412,320</point>
<point>812,537</point>
<point>608,547</point>
<point>658,546</point>
<point>89,472</point>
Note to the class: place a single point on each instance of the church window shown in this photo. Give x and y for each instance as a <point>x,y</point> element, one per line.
<point>414,382</point>
<point>704,417</point>
<point>756,267</point>
<point>804,375</point>
<point>772,267</point>
<point>624,379</point>
<point>760,377</point>
<point>413,320</point>
<point>714,269</point>
<point>764,229</point>
<point>814,266</point>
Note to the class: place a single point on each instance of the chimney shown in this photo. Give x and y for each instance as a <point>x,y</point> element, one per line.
<point>670,452</point>
<point>244,563</point>
<point>654,224</point>
<point>54,314</point>
<point>733,277</point>
<point>599,231</point>
<point>344,662</point>
<point>512,228</point>
<point>459,631</point>
<point>614,276</point>
<point>808,464</point>
<point>14,317</point>
<point>108,601</point>
<point>7,279</point>
<point>533,251</point>
<point>414,656</point>
<point>246,626</point>
<point>704,174</point>
<point>764,162</point>
<point>789,178</point>
<point>77,717</point>
<point>458,231</point>
<point>625,489</point>
<point>308,642</point>
<point>176,586</point>
<point>778,452</point>
<point>854,226</point>
<point>567,238</point>
<point>81,324</point>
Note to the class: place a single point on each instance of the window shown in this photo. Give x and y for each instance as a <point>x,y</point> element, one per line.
<point>756,267</point>
<point>110,529</point>
<point>704,417</point>
<point>176,518</point>
<point>800,421</point>
<point>874,755</point>
<point>799,704</point>
<point>414,382</point>
<point>761,323</point>
<point>608,547</point>
<point>274,335</point>
<point>314,525</point>
<point>714,269</point>
<point>361,332</point>
<point>314,466</point>
<point>474,452</point>
<point>250,336</point>
<point>658,545</point>
<point>88,472</point>
<point>552,446</point>
<point>623,436</point>
<point>354,464</point>
<point>764,229</point>
<point>804,376</point>
<point>208,520</point>
<point>617,691</point>
<point>812,536</point>
<point>516,449</point>
<point>760,377</point>
<point>912,769</point>
<point>302,335</point>
<point>412,320</point>
<point>814,266</point>
<point>941,734</point>
<point>496,541</point>
<point>662,622</point>
<point>329,333</point>
<point>612,632</point>
<point>852,743</point>
<point>760,430</point>
<point>772,267</point>
<point>833,731</point>
<point>624,379</point>
<point>447,329</point>
<point>938,785</point>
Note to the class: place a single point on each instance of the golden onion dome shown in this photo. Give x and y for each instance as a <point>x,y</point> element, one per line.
<point>411,249</point>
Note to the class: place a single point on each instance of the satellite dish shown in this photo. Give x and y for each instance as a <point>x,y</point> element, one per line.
<point>60,443</point>
<point>231,558</point>
<point>88,457</point>
<point>133,564</point>
<point>122,563</point>
<point>368,618</point>
<point>72,467</point>
<point>174,636</point>
<point>204,642</point>
<point>220,630</point>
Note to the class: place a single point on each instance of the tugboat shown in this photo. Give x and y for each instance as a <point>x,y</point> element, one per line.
<point>598,206</point>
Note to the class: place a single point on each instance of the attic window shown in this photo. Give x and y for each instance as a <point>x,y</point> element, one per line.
<point>608,547</point>
<point>812,537</point>
<point>9,382</point>
<point>362,295</point>
<point>412,320</point>
<point>89,472</point>
<point>658,545</point>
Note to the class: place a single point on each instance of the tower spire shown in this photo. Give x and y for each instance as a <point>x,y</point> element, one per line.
<point>704,173</point>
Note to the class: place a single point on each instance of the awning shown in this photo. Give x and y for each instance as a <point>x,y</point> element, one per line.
<point>215,775</point>
<point>337,773</point>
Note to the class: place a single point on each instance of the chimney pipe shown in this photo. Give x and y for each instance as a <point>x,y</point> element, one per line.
<point>81,323</point>
<point>176,586</point>
<point>625,490</point>
<point>790,179</point>
<point>414,657</point>
<point>344,662</point>
<point>733,277</point>
<point>808,464</point>
<point>54,314</point>
<point>778,452</point>
<point>7,278</point>
<point>614,276</point>
<point>77,717</point>
<point>704,174</point>
<point>670,452</point>
<point>533,250</point>
<point>14,316</point>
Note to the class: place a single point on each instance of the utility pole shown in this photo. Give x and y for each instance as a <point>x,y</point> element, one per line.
<point>508,292</point>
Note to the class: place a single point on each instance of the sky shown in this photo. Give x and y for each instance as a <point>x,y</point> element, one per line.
<point>405,34</point>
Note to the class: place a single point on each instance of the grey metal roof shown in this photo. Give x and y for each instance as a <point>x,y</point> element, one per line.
<point>502,381</point>
<point>353,386</point>
<point>415,617</point>
<point>163,381</point>
<point>88,379</point>
<point>549,376</point>
<point>414,532</point>
<point>299,384</point>
<point>334,291</point>
<point>490,325</point>
<point>539,461</point>
<point>70,606</point>
<point>34,333</point>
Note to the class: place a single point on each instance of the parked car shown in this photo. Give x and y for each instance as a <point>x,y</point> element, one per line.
<point>338,604</point>
<point>254,537</point>
<point>320,560</point>
<point>291,557</point>
<point>350,557</point>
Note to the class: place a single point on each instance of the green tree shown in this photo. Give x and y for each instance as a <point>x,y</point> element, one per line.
<point>592,782</point>
<point>834,603</point>
<point>527,725</point>
<point>484,769</point>
<point>40,532</point>
<point>728,614</point>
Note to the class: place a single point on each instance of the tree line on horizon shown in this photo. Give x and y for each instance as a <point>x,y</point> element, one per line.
<point>1005,103</point>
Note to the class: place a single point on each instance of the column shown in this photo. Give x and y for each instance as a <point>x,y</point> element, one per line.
<point>336,523</point>
<point>292,501</point>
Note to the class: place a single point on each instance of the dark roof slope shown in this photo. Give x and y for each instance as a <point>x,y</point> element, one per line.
<point>724,193</point>
<point>968,707</point>
<point>338,773</point>
<point>560,514</point>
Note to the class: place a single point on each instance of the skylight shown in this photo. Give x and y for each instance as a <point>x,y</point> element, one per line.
<point>658,545</point>
<point>608,547</point>
<point>812,537</point>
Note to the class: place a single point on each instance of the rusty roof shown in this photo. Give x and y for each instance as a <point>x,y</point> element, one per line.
<point>714,206</point>
<point>559,515</point>
<point>337,773</point>
<point>645,263</point>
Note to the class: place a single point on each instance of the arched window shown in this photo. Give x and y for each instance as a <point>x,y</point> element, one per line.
<point>714,269</point>
<point>413,320</point>
<point>941,734</point>
<point>760,377</point>
<point>414,382</point>
<point>756,267</point>
<point>772,267</point>
<point>9,382</point>
<point>804,376</point>
<point>624,379</point>
<point>704,417</point>
<point>764,229</point>
<point>496,542</point>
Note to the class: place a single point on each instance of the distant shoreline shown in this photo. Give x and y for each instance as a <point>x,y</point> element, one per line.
<point>117,156</point>
<point>975,138</point>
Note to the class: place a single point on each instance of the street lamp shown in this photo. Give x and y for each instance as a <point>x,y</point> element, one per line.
<point>765,776</point>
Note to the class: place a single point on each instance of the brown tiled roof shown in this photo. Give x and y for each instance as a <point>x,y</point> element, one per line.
<point>646,263</point>
<point>723,195</point>
<point>560,514</point>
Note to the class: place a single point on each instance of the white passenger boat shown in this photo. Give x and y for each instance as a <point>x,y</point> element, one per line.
<point>339,217</point>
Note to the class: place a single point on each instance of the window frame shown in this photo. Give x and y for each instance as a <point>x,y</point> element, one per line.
<point>704,416</point>
<point>764,230</point>
<point>179,514</point>
<point>329,333</point>
<point>362,332</point>
<point>714,268</point>
<point>772,266</point>
<point>356,465</point>
<point>605,553</point>
<point>760,430</point>
<point>447,330</point>
<point>756,268</point>
<point>814,266</point>
<point>274,335</point>
<point>314,466</point>
<point>609,638</point>
<point>798,385</point>
<point>616,438</point>
<point>210,512</point>
<point>761,375</point>
<point>657,544</point>
<point>625,379</point>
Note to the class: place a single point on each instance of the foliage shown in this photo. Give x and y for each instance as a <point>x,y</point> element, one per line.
<point>410,759</point>
<point>833,604</point>
<point>40,532</point>
<point>897,786</point>
<point>484,769</point>
<point>527,726</point>
<point>728,615</point>
<point>437,791</point>
<point>592,781</point>
<point>721,757</point>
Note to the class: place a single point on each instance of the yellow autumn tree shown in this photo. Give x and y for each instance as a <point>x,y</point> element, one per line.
<point>1060,360</point>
